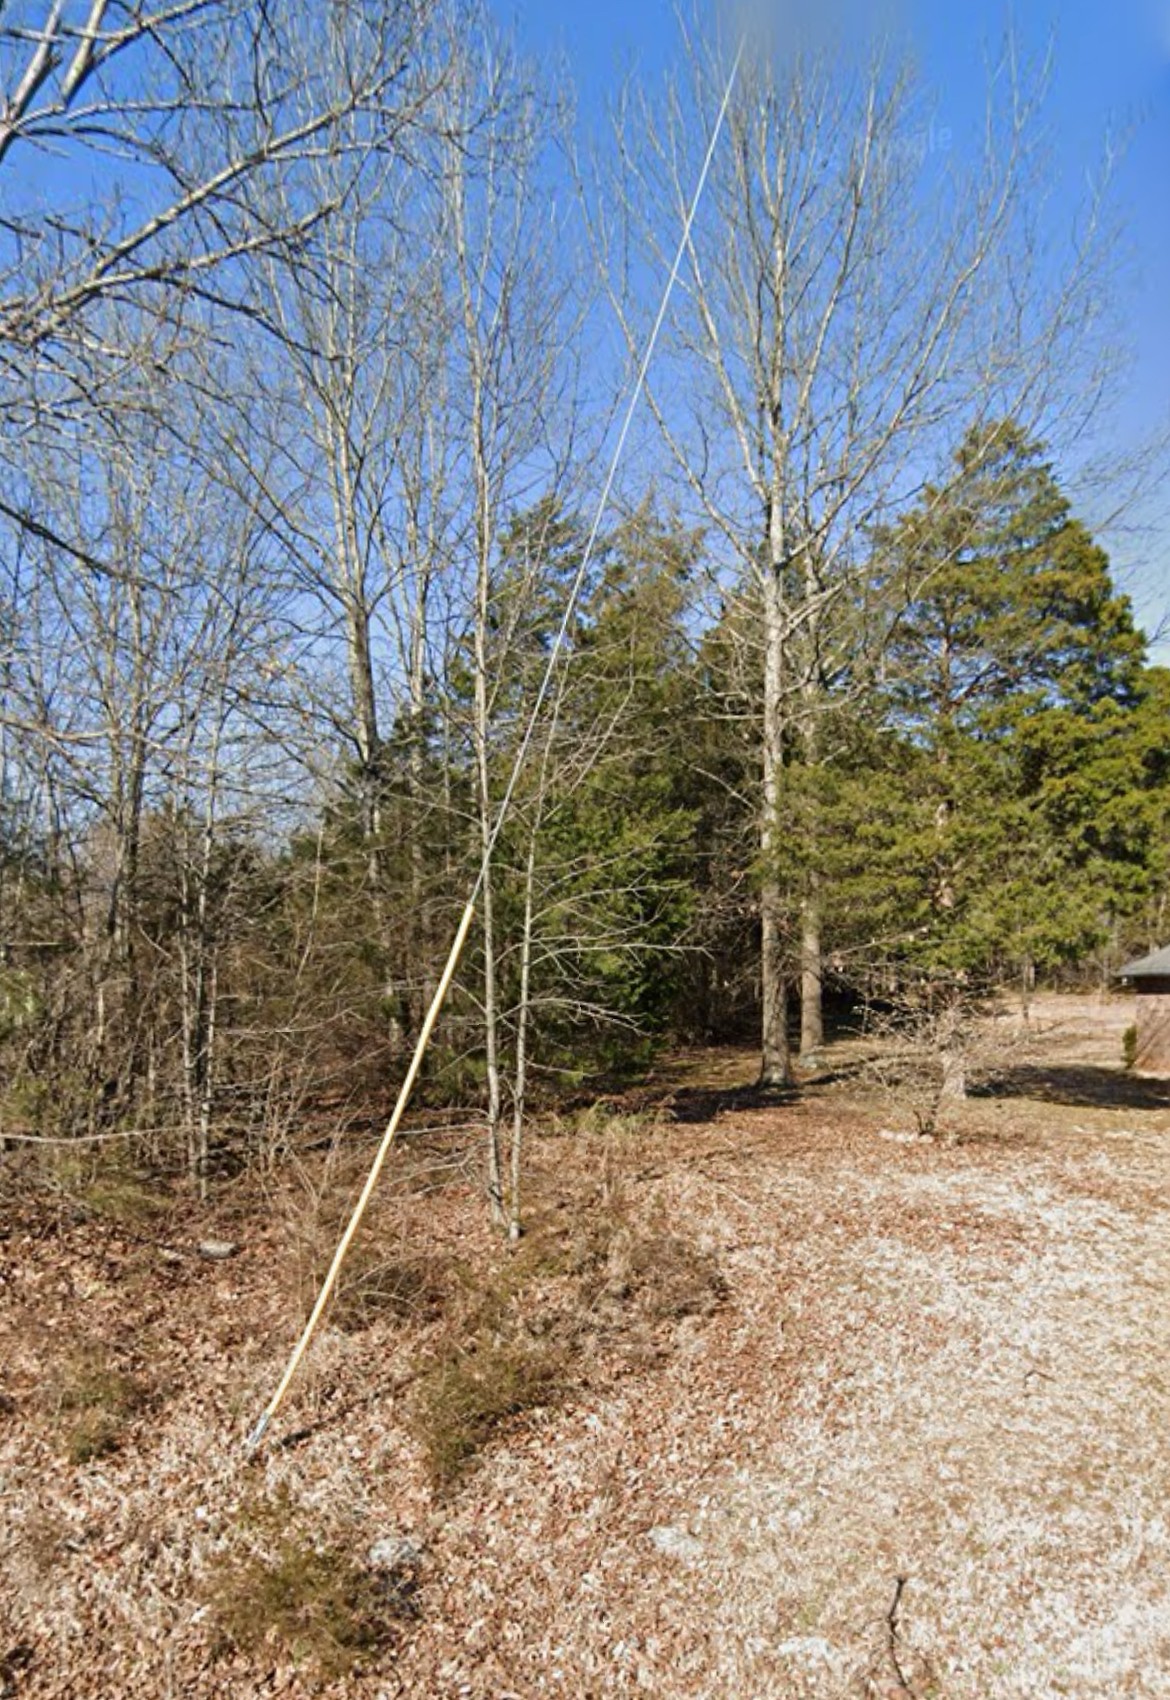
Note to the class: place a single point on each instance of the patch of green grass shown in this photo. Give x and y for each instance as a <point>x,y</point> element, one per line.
<point>95,1404</point>
<point>475,1387</point>
<point>46,1104</point>
<point>123,1201</point>
<point>519,1345</point>
<point>310,1600</point>
<point>103,1187</point>
<point>606,1120</point>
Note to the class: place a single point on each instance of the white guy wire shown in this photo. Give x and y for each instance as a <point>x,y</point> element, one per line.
<point>448,975</point>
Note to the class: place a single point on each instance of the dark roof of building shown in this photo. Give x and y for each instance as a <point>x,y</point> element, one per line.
<point>1155,967</point>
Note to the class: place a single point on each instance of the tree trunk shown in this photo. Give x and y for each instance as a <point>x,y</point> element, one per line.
<point>812,1010</point>
<point>356,602</point>
<point>491,1014</point>
<point>953,1057</point>
<point>954,1076</point>
<point>813,698</point>
<point>365,709</point>
<point>1027,989</point>
<point>491,1048</point>
<point>520,1083</point>
<point>417,999</point>
<point>776,1058</point>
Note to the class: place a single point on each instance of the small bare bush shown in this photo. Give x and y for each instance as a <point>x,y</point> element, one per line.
<point>376,1284</point>
<point>665,1276</point>
<point>587,1275</point>
<point>620,1262</point>
<point>930,1052</point>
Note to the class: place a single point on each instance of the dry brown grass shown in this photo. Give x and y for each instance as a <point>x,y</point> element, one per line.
<point>939,1363</point>
<point>386,1276</point>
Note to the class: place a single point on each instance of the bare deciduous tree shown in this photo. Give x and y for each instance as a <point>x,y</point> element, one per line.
<point>510,318</point>
<point>851,305</point>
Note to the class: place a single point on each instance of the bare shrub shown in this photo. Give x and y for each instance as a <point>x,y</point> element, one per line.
<point>665,1276</point>
<point>930,1051</point>
<point>402,1285</point>
<point>619,1261</point>
<point>409,1288</point>
<point>588,1275</point>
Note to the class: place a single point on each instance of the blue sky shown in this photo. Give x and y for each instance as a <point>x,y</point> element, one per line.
<point>1111,74</point>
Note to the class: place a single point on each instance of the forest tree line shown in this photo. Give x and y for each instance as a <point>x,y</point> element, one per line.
<point>303,399</point>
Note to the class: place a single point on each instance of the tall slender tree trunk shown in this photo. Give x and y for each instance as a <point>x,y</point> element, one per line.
<point>491,1011</point>
<point>419,927</point>
<point>113,1063</point>
<point>355,599</point>
<point>1027,988</point>
<point>952,1052</point>
<point>365,712</point>
<point>361,673</point>
<point>200,977</point>
<point>776,1057</point>
<point>523,1014</point>
<point>812,985</point>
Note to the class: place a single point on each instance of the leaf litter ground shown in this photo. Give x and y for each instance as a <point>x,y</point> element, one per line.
<point>914,1441</point>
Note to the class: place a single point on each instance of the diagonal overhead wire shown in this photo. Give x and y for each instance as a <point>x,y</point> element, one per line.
<point>530,729</point>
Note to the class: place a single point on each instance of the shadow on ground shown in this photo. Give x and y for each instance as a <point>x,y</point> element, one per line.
<point>1079,1085</point>
<point>694,1105</point>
